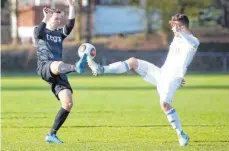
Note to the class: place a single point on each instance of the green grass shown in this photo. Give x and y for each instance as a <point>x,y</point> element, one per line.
<point>119,113</point>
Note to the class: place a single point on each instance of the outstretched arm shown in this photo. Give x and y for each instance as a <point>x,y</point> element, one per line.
<point>71,19</point>
<point>189,39</point>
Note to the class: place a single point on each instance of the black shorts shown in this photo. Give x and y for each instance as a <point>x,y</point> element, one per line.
<point>57,82</point>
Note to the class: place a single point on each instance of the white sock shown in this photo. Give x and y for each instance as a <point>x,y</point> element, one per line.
<point>174,120</point>
<point>142,68</point>
<point>117,67</point>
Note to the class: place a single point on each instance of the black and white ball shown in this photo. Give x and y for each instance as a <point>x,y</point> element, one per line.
<point>87,48</point>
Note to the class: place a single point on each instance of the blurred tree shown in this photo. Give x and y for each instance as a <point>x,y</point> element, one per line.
<point>78,28</point>
<point>168,8</point>
<point>14,22</point>
<point>3,2</point>
<point>225,9</point>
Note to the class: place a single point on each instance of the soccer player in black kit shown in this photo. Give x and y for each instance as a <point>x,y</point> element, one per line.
<point>49,40</point>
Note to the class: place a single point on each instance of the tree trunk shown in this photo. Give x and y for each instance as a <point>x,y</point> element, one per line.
<point>78,29</point>
<point>225,8</point>
<point>14,22</point>
<point>148,29</point>
<point>88,23</point>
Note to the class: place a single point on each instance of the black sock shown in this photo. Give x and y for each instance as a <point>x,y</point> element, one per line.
<point>65,68</point>
<point>59,120</point>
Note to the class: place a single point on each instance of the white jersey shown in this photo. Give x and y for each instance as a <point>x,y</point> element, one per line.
<point>181,53</point>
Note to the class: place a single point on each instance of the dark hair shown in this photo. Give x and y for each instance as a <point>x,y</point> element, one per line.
<point>58,11</point>
<point>52,10</point>
<point>181,18</point>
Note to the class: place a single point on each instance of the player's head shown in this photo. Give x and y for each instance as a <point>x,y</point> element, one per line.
<point>182,19</point>
<point>54,21</point>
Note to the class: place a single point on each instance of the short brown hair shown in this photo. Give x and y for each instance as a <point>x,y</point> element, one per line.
<point>181,18</point>
<point>52,10</point>
<point>58,11</point>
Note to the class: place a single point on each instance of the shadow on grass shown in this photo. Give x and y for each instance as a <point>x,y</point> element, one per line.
<point>114,126</point>
<point>108,88</point>
<point>212,141</point>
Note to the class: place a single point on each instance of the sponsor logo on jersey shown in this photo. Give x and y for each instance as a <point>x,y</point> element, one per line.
<point>56,39</point>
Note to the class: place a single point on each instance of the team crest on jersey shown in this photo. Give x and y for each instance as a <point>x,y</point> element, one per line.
<point>56,39</point>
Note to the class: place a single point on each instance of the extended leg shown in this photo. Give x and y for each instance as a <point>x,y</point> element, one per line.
<point>59,67</point>
<point>149,72</point>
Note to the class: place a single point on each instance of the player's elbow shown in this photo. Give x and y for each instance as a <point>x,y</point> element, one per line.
<point>195,43</point>
<point>68,29</point>
<point>70,25</point>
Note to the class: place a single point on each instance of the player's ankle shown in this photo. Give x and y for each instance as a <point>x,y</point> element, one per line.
<point>179,132</point>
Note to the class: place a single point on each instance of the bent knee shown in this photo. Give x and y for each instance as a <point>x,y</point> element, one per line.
<point>54,67</point>
<point>67,105</point>
<point>165,106</point>
<point>133,63</point>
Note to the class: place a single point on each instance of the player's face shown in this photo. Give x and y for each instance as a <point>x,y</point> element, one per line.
<point>55,20</point>
<point>176,26</point>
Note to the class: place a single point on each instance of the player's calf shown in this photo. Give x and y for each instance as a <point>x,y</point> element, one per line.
<point>173,119</point>
<point>116,68</point>
<point>171,116</point>
<point>59,67</point>
<point>65,97</point>
<point>121,66</point>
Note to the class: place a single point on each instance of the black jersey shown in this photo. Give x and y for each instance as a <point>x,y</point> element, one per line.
<point>49,43</point>
<point>49,47</point>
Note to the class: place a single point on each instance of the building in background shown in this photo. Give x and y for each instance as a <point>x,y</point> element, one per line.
<point>102,23</point>
<point>107,18</point>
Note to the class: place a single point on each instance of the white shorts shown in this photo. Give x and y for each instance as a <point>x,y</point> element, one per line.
<point>166,85</point>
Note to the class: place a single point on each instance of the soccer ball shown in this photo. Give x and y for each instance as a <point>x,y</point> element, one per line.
<point>87,48</point>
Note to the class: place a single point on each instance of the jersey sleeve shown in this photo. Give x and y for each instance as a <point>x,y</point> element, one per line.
<point>66,30</point>
<point>39,31</point>
<point>191,40</point>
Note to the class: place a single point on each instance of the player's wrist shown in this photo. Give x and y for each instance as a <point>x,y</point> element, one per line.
<point>71,13</point>
<point>45,19</point>
<point>71,9</point>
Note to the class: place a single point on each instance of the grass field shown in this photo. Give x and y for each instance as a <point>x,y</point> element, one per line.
<point>119,113</point>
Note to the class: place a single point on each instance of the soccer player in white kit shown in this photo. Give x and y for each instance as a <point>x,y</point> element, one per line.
<point>170,76</point>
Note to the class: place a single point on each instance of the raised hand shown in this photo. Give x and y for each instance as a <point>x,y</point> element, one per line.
<point>71,3</point>
<point>47,13</point>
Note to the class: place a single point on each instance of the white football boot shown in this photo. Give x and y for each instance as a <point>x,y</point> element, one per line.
<point>183,139</point>
<point>96,68</point>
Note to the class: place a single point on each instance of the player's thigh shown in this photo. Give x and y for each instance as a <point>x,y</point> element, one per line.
<point>150,72</point>
<point>61,83</point>
<point>166,89</point>
<point>45,72</point>
<point>66,99</point>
